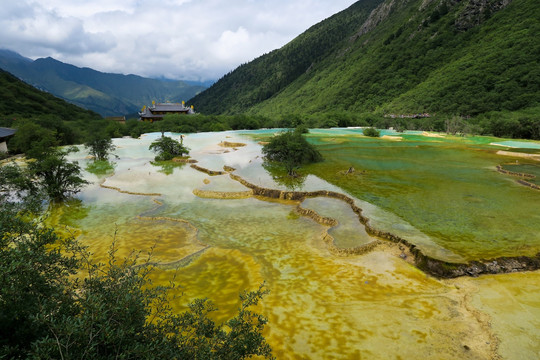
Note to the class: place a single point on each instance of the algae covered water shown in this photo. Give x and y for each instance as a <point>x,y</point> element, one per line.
<point>443,195</point>
<point>447,188</point>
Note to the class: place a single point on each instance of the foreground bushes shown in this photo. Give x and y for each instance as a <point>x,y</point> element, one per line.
<point>56,303</point>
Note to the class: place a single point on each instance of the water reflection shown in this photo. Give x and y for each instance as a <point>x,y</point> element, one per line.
<point>167,167</point>
<point>101,168</point>
<point>283,179</point>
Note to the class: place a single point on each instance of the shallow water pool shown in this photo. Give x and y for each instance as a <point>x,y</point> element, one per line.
<point>442,194</point>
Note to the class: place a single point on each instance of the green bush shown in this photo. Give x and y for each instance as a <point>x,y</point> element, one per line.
<point>372,132</point>
<point>57,303</point>
<point>109,311</point>
<point>168,148</point>
<point>292,150</point>
<point>100,146</point>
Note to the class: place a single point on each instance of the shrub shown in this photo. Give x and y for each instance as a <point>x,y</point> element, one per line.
<point>372,132</point>
<point>168,148</point>
<point>292,150</point>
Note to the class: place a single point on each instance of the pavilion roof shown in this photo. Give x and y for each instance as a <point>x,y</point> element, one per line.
<point>5,132</point>
<point>169,107</point>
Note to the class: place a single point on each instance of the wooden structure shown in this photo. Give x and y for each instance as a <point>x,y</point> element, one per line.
<point>156,112</point>
<point>4,134</point>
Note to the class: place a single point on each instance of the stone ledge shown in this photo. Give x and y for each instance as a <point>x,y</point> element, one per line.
<point>212,194</point>
<point>128,192</point>
<point>435,267</point>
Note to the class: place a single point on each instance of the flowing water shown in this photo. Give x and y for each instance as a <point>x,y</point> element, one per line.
<point>442,194</point>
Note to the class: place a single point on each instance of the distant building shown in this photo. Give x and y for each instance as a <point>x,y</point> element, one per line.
<point>5,133</point>
<point>118,119</point>
<point>156,112</point>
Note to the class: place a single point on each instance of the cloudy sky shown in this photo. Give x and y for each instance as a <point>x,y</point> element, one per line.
<point>177,39</point>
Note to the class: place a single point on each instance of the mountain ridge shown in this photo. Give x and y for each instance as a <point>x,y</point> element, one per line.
<point>465,57</point>
<point>21,100</point>
<point>106,93</point>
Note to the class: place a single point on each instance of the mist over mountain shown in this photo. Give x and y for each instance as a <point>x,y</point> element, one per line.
<point>465,57</point>
<point>105,93</point>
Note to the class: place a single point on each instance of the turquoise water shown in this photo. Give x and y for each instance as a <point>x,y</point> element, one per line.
<point>442,194</point>
<point>519,144</point>
<point>444,187</point>
<point>448,190</point>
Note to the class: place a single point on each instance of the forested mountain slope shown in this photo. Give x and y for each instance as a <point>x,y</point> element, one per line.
<point>105,93</point>
<point>267,75</point>
<point>464,57</point>
<point>20,100</point>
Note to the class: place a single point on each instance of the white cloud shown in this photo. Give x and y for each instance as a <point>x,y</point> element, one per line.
<point>34,30</point>
<point>187,39</point>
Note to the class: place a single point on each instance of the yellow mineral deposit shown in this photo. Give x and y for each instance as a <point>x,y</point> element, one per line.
<point>229,144</point>
<point>392,137</point>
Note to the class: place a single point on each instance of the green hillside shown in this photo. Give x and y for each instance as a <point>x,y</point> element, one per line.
<point>105,93</point>
<point>465,57</point>
<point>269,74</point>
<point>20,100</point>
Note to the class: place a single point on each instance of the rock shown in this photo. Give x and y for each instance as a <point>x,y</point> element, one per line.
<point>478,11</point>
<point>231,144</point>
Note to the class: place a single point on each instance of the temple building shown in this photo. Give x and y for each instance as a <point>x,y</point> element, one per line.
<point>156,112</point>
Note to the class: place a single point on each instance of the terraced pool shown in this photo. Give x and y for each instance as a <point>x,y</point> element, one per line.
<point>442,194</point>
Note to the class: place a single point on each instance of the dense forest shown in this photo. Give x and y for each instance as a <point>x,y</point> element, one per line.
<point>476,59</point>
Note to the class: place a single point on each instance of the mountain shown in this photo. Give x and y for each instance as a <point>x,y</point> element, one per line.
<point>105,93</point>
<point>18,99</point>
<point>463,57</point>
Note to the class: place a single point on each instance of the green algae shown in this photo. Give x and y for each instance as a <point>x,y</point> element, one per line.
<point>527,169</point>
<point>447,189</point>
<point>100,167</point>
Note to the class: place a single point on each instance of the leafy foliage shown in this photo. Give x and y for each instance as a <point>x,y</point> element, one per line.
<point>112,312</point>
<point>32,139</point>
<point>371,132</point>
<point>168,148</point>
<point>292,150</point>
<point>56,303</point>
<point>51,175</point>
<point>100,146</point>
<point>58,177</point>
<point>34,286</point>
